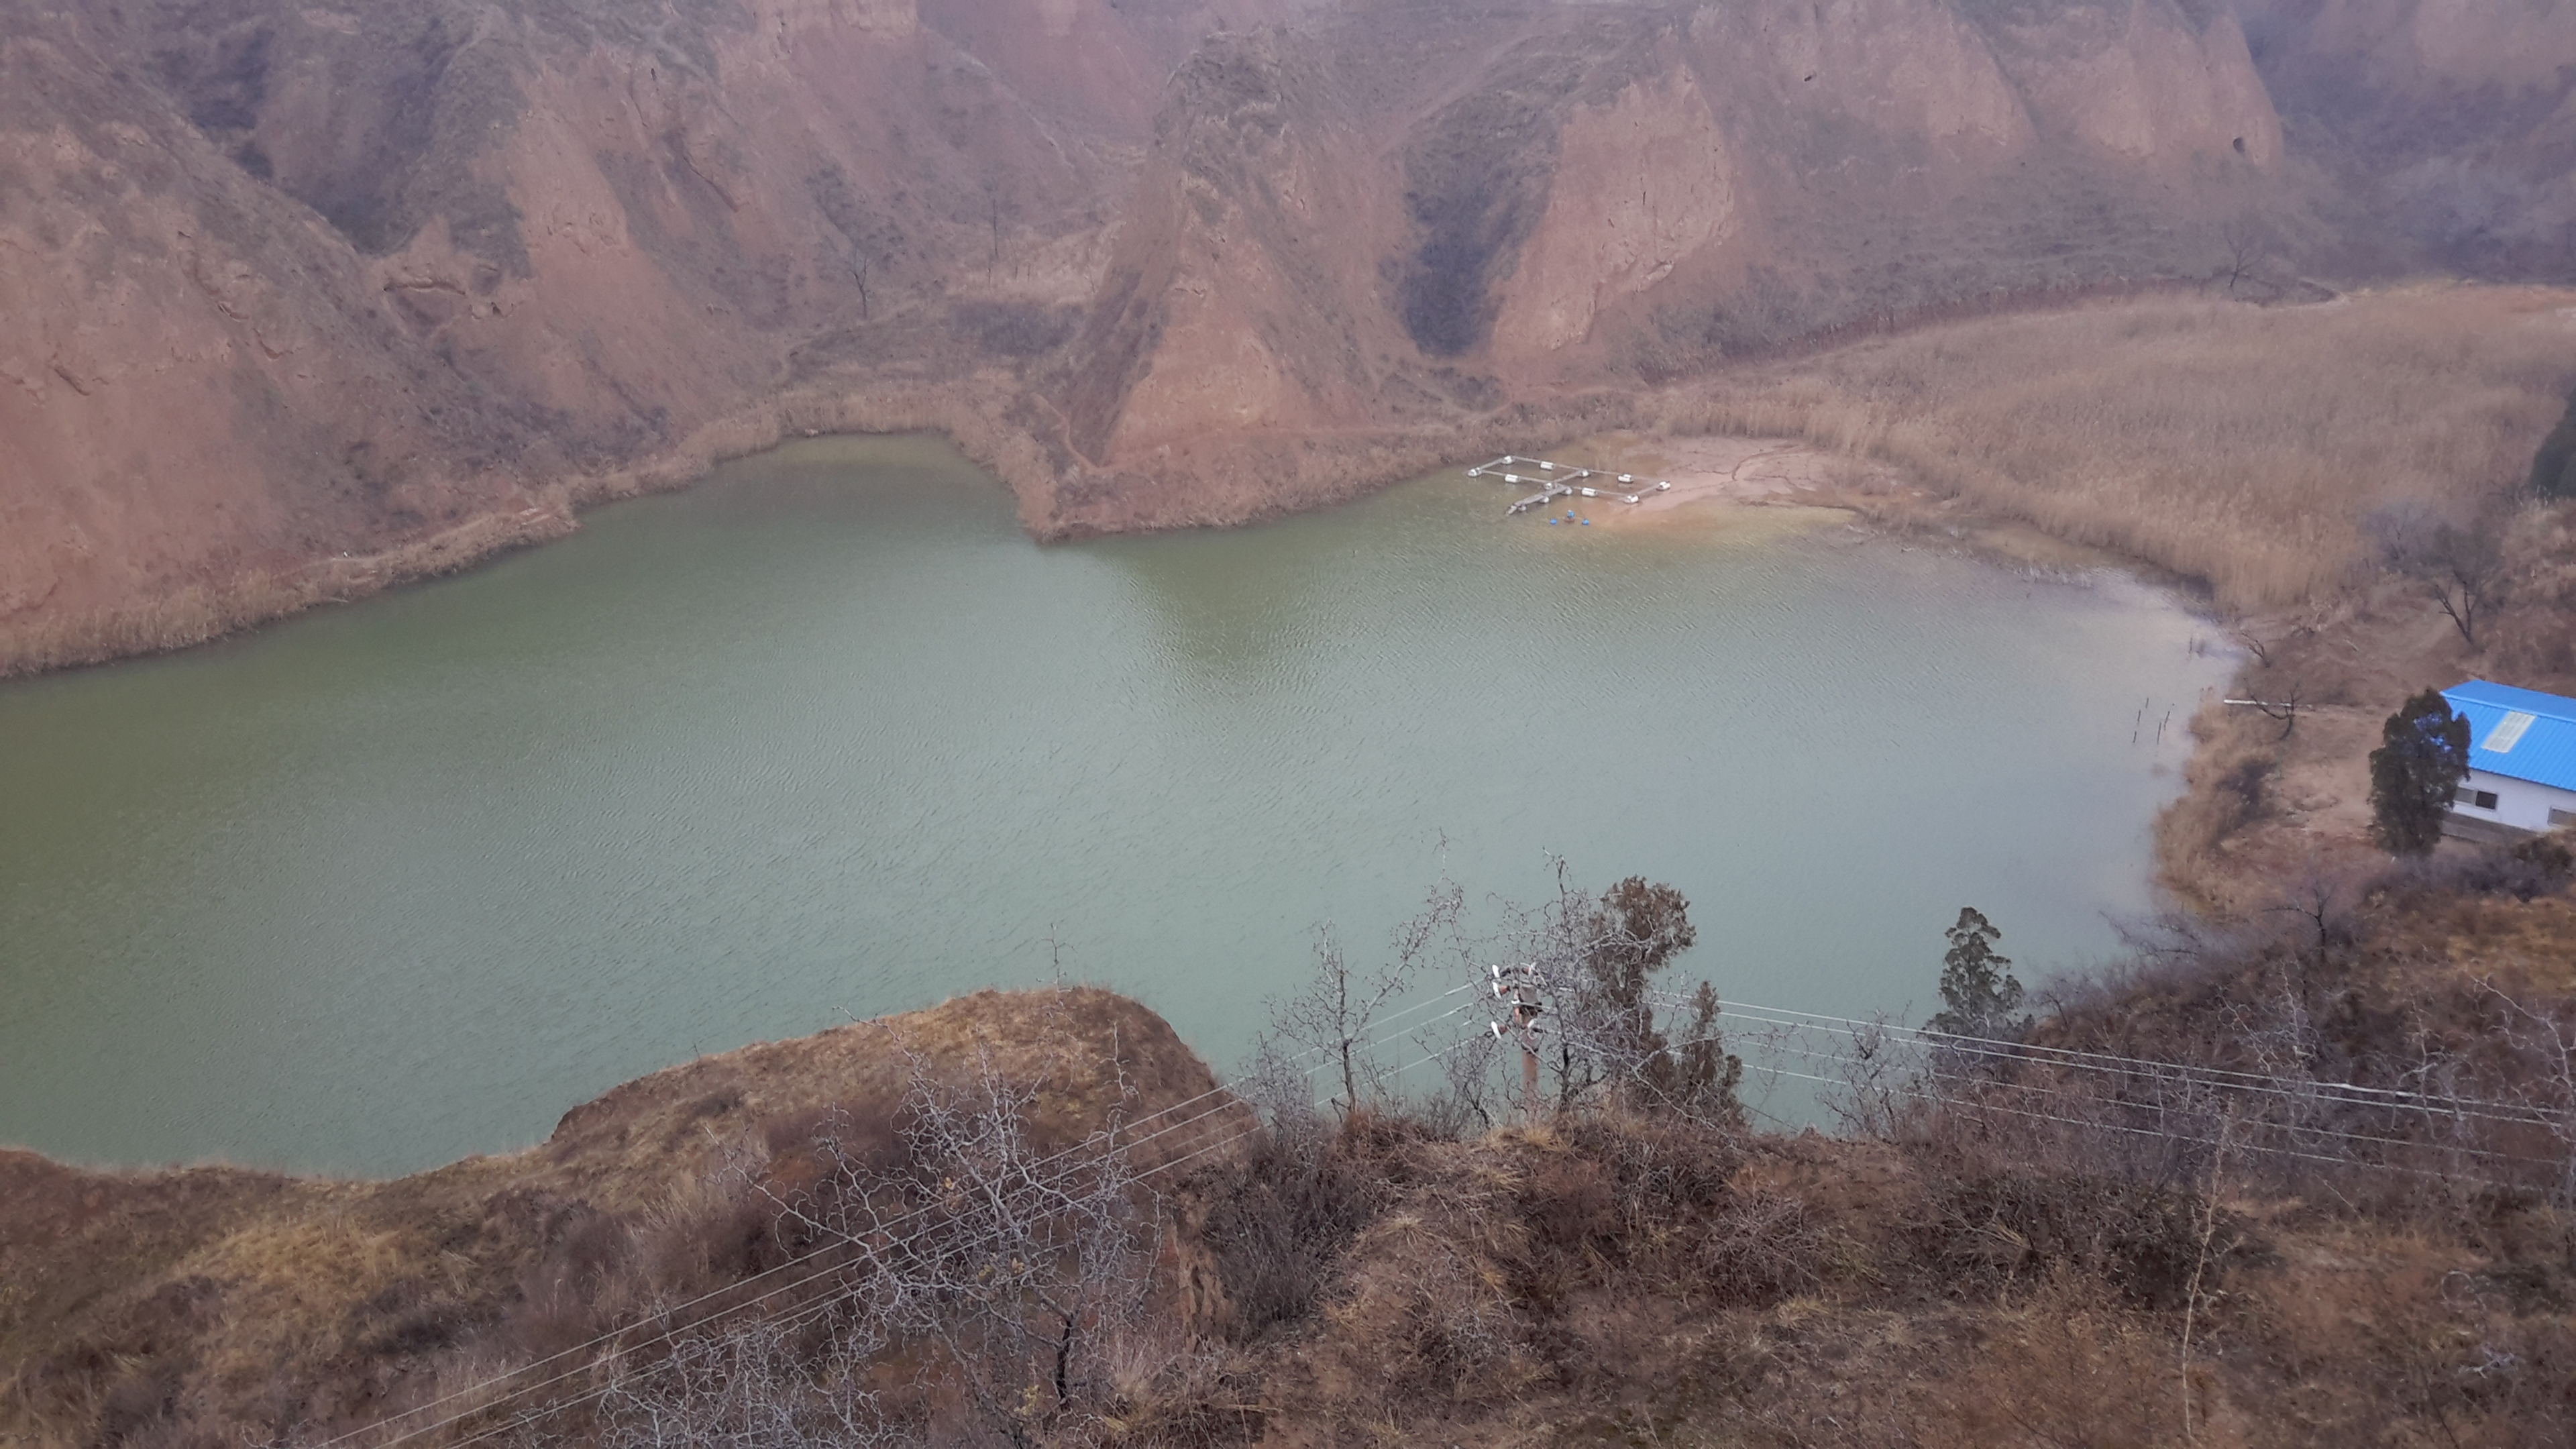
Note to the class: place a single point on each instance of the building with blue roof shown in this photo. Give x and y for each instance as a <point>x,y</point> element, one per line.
<point>2522,756</point>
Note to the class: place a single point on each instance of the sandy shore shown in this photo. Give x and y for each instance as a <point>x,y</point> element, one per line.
<point>1722,471</point>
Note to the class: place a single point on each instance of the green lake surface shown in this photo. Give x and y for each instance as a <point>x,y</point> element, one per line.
<point>827,736</point>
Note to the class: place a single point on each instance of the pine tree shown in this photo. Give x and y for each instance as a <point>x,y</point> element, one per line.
<point>1978,992</point>
<point>2422,757</point>
<point>2553,469</point>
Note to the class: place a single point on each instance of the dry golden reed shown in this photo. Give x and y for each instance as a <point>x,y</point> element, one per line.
<point>2237,444</point>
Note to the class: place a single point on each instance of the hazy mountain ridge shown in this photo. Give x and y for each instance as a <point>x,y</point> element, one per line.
<point>280,284</point>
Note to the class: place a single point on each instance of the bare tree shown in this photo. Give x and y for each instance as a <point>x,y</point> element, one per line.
<point>2321,900</point>
<point>2253,643</point>
<point>873,235</point>
<point>2191,1300</point>
<point>2286,708</point>
<point>1012,1269</point>
<point>2461,569</point>
<point>2247,239</point>
<point>1334,1015</point>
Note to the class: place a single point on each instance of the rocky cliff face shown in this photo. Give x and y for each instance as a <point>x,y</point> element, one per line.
<point>2445,129</point>
<point>280,284</point>
<point>295,300</point>
<point>1390,220</point>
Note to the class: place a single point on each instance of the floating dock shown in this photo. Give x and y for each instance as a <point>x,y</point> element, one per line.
<point>1564,480</point>
<point>1544,496</point>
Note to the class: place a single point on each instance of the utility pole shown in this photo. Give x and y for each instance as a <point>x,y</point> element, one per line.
<point>1520,987</point>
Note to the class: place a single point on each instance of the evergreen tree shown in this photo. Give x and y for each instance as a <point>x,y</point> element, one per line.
<point>2553,471</point>
<point>1978,992</point>
<point>1636,931</point>
<point>1632,931</point>
<point>2422,757</point>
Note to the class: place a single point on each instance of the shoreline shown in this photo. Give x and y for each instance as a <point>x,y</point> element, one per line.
<point>2036,439</point>
<point>995,417</point>
<point>198,614</point>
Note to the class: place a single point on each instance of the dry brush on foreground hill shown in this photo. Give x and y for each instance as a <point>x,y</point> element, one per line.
<point>2306,1182</point>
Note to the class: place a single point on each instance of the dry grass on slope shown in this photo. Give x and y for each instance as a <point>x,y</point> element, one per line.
<point>2237,444</point>
<point>2034,1252</point>
<point>215,1305</point>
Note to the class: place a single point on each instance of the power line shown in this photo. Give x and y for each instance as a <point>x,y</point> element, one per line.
<point>796,1317</point>
<point>2351,1093</point>
<point>1807,1020</point>
<point>2064,1094</point>
<point>1221,1088</point>
<point>1776,1017</point>
<point>2168,1136</point>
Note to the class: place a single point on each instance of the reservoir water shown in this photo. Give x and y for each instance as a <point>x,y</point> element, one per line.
<point>828,736</point>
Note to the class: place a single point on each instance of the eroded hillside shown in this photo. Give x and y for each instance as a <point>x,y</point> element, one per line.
<point>298,301</point>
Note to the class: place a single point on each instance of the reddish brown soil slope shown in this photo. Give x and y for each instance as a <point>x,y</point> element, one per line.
<point>226,1297</point>
<point>297,301</point>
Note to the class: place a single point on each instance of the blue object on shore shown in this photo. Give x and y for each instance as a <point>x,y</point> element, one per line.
<point>1587,523</point>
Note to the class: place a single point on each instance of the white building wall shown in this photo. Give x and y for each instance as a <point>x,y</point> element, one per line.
<point>2521,804</point>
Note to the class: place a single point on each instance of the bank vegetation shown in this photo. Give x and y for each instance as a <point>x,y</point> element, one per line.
<point>2305,1180</point>
<point>2353,490</point>
<point>2243,446</point>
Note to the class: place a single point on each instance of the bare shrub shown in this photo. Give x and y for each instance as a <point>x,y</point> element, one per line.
<point>1011,1269</point>
<point>1758,1249</point>
<point>1877,1093</point>
<point>1987,1232</point>
<point>2069,1369</point>
<point>1277,1220</point>
<point>1016,329</point>
<point>760,1383</point>
<point>567,1296</point>
<point>1423,1318</point>
<point>708,1234</point>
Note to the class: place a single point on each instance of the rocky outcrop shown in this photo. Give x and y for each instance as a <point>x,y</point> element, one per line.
<point>1372,225</point>
<point>1640,186</point>
<point>282,290</point>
